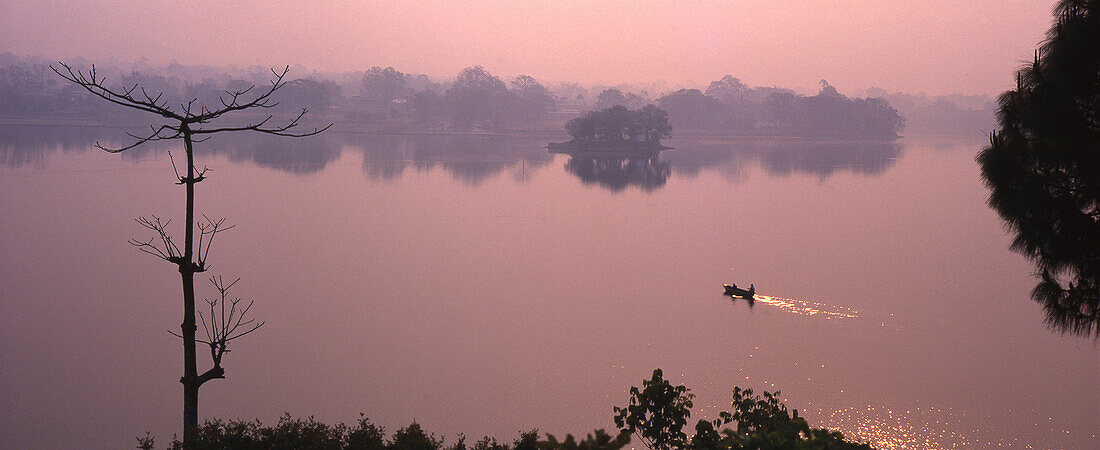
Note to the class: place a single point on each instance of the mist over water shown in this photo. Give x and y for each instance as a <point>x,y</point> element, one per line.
<point>482,285</point>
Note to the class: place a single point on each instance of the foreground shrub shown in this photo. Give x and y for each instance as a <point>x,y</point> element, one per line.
<point>309,434</point>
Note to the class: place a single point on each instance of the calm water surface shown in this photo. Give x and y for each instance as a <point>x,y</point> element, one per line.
<point>481,285</point>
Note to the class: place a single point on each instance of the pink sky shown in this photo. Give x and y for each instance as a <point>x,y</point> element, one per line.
<point>934,46</point>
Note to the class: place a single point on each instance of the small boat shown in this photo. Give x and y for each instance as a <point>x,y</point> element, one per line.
<point>734,291</point>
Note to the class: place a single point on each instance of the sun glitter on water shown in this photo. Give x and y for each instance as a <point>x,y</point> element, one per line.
<point>807,308</point>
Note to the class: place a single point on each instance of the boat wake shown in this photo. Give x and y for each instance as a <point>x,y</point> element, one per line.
<point>807,308</point>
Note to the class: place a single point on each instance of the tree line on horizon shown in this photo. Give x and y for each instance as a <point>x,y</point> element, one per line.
<point>388,99</point>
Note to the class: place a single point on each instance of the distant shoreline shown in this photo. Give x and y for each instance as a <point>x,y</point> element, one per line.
<point>392,130</point>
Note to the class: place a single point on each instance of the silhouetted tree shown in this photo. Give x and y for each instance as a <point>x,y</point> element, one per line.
<point>1043,167</point>
<point>827,90</point>
<point>763,422</point>
<point>413,437</point>
<point>191,122</point>
<point>366,436</point>
<point>653,123</point>
<point>658,413</point>
<point>477,98</point>
<point>617,124</point>
<point>382,86</point>
<point>873,117</point>
<point>831,113</point>
<point>609,98</point>
<point>429,108</point>
<point>571,92</point>
<point>728,90</point>
<point>304,93</point>
<point>692,109</point>
<point>740,109</point>
<point>530,100</point>
<point>597,440</point>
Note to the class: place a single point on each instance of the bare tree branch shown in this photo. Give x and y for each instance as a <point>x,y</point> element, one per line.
<point>283,130</point>
<point>166,249</point>
<point>156,135</point>
<point>222,326</point>
<point>91,82</point>
<point>225,320</point>
<point>207,231</point>
<point>186,115</point>
<point>234,103</point>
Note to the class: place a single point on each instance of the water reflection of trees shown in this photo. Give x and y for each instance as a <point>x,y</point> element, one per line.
<point>474,158</point>
<point>297,156</point>
<point>822,159</point>
<point>468,158</point>
<point>25,145</point>
<point>32,145</point>
<point>615,172</point>
<point>732,159</point>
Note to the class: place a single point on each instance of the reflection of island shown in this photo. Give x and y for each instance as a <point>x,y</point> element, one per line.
<point>617,170</point>
<point>475,158</point>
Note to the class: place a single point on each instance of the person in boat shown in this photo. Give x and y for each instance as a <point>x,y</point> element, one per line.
<point>752,288</point>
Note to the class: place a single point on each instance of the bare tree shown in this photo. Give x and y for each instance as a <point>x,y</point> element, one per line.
<point>222,326</point>
<point>192,122</point>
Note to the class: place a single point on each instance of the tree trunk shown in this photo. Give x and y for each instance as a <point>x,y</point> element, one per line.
<point>187,268</point>
<point>190,371</point>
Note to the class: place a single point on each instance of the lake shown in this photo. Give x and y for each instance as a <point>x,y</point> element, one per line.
<point>481,285</point>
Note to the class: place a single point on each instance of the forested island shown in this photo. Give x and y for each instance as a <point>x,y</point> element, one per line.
<point>617,128</point>
<point>475,100</point>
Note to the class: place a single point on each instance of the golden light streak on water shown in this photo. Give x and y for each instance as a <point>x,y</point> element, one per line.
<point>807,308</point>
<point>918,428</point>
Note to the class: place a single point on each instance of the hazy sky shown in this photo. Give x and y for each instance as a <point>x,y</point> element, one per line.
<point>935,46</point>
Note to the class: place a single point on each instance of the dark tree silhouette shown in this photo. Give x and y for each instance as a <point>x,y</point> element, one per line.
<point>654,123</point>
<point>1043,167</point>
<point>730,90</point>
<point>609,98</point>
<point>658,413</point>
<point>477,98</point>
<point>384,85</point>
<point>618,124</point>
<point>530,99</point>
<point>691,109</point>
<point>190,121</point>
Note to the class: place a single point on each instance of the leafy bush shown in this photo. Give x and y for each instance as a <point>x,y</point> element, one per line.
<point>309,434</point>
<point>658,412</point>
